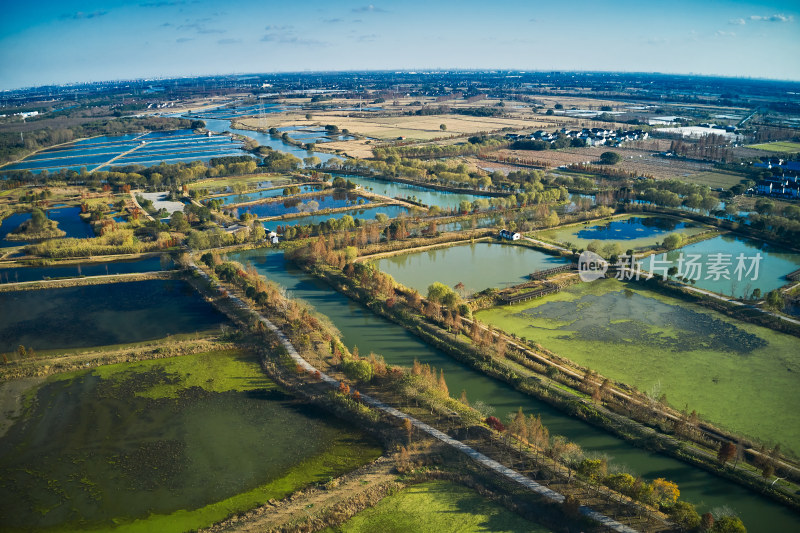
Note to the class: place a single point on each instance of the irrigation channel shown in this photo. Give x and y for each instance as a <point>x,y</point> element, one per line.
<point>359,327</point>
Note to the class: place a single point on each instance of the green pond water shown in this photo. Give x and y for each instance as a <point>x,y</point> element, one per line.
<point>630,231</point>
<point>477,265</point>
<point>360,327</point>
<point>168,445</point>
<point>96,315</point>
<point>714,364</point>
<point>769,273</point>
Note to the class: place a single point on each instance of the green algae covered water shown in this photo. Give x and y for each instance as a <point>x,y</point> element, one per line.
<point>165,445</point>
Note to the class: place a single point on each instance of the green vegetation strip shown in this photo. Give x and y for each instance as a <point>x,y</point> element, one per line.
<point>786,146</point>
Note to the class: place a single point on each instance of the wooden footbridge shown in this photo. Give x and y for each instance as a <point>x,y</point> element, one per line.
<point>538,292</point>
<point>544,274</point>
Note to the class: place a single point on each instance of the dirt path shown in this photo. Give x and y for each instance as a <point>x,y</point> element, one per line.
<point>351,493</point>
<point>136,203</point>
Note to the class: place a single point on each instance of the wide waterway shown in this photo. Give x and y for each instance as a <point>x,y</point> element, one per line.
<point>265,139</point>
<point>371,333</point>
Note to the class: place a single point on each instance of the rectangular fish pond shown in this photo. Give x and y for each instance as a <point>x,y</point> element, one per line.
<point>769,273</point>
<point>477,265</point>
<point>72,270</point>
<point>99,315</point>
<point>366,214</point>
<point>629,231</point>
<point>142,148</point>
<point>168,445</point>
<point>309,204</point>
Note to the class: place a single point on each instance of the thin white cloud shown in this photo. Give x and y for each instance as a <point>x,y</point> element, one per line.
<point>721,33</point>
<point>772,18</point>
<point>737,22</point>
<point>369,9</point>
<point>81,15</point>
<point>290,39</point>
<point>162,4</point>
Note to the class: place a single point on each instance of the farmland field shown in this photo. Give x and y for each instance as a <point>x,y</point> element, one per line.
<point>411,127</point>
<point>715,179</point>
<point>789,147</point>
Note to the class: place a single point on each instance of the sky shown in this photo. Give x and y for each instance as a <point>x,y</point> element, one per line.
<point>66,41</point>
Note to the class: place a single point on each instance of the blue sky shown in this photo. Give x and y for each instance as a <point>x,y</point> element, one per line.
<point>71,41</point>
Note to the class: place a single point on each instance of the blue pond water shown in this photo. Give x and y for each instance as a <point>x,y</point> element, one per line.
<point>148,264</point>
<point>69,221</point>
<point>145,149</point>
<point>256,195</point>
<point>391,211</point>
<point>9,224</point>
<point>298,205</point>
<point>425,195</point>
<point>633,228</point>
<point>67,218</point>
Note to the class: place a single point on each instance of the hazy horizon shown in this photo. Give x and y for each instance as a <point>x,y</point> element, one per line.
<point>90,41</point>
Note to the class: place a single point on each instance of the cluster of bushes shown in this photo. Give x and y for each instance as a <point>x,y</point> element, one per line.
<point>114,241</point>
<point>216,237</point>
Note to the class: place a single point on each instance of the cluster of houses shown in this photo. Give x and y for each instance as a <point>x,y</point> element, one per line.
<point>591,136</point>
<point>780,185</point>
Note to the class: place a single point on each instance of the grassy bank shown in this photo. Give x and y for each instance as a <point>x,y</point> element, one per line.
<point>438,506</point>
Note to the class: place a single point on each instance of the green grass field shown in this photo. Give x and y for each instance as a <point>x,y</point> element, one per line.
<point>436,507</point>
<point>784,146</point>
<point>736,375</point>
<point>715,179</point>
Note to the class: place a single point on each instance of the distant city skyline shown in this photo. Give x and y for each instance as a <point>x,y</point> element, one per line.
<point>56,42</point>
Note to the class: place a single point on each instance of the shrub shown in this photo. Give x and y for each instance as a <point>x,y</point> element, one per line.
<point>358,370</point>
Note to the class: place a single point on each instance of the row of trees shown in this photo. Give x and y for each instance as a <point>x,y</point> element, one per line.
<point>475,145</point>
